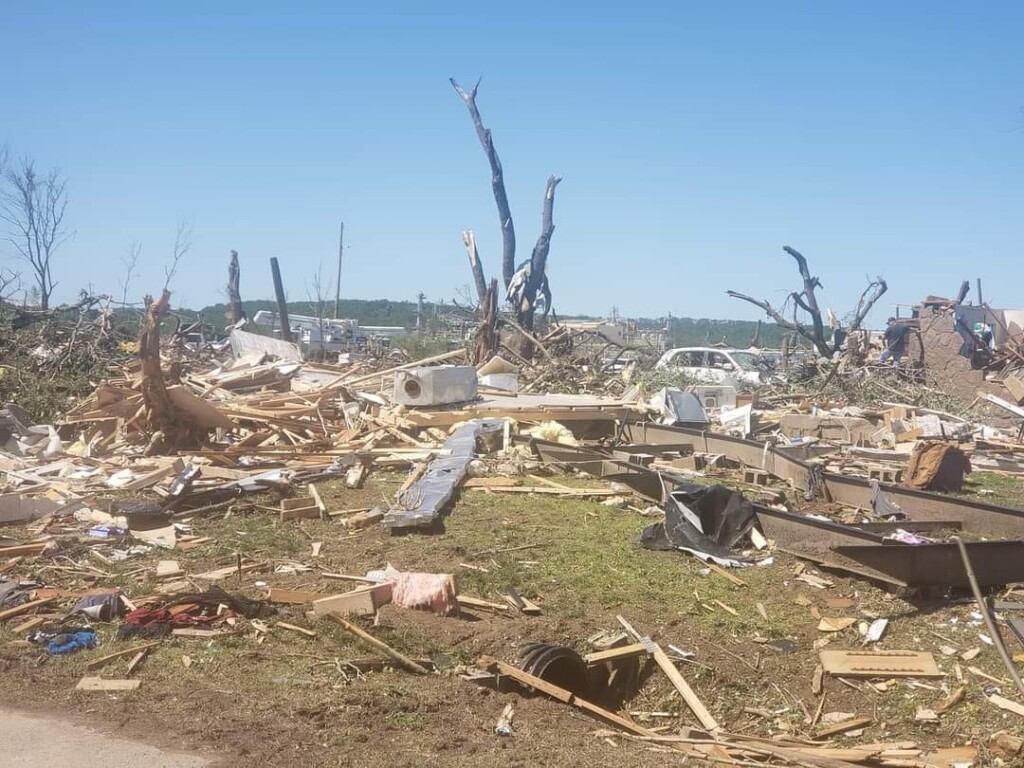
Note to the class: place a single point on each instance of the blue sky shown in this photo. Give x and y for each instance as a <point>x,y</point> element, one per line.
<point>695,140</point>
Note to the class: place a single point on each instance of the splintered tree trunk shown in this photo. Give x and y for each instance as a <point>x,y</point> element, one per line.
<point>282,304</point>
<point>539,260</point>
<point>469,239</point>
<point>159,409</point>
<point>235,311</point>
<point>487,338</point>
<point>508,230</point>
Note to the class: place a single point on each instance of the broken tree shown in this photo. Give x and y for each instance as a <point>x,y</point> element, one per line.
<point>807,301</point>
<point>522,284</point>
<point>235,311</point>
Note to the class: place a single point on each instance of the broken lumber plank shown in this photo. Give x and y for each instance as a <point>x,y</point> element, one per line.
<point>724,573</point>
<point>344,512</point>
<point>491,482</point>
<point>879,663</point>
<point>562,695</point>
<point>97,663</point>
<point>636,650</point>
<point>362,520</point>
<point>35,548</point>
<point>373,642</point>
<point>29,625</point>
<point>293,597</point>
<point>315,494</point>
<point>24,608</point>
<point>582,493</point>
<point>223,573</point>
<point>363,601</point>
<point>302,507</point>
<point>520,603</point>
<point>193,543</point>
<point>154,477</point>
<point>136,660</point>
<point>199,632</point>
<point>692,700</point>
<point>853,724</point>
<point>1007,705</point>
<point>102,684</point>
<point>483,605</point>
<point>294,628</point>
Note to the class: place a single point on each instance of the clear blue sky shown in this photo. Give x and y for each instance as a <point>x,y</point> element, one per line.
<point>695,141</point>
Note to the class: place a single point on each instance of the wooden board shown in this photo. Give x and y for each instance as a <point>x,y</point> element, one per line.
<point>24,549</point>
<point>154,477</point>
<point>294,597</point>
<point>616,654</point>
<point>201,412</point>
<point>97,663</point>
<point>24,607</point>
<point>1016,389</point>
<point>362,602</point>
<point>101,684</point>
<point>692,701</point>
<point>879,664</point>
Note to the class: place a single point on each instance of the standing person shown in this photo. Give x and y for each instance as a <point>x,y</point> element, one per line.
<point>895,342</point>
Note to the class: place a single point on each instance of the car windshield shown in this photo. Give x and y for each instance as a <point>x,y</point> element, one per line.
<point>746,360</point>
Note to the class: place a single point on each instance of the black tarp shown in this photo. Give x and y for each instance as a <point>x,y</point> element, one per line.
<point>708,519</point>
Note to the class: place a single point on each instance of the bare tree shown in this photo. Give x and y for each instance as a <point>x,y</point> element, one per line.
<point>182,245</point>
<point>806,301</point>
<point>318,299</point>
<point>508,230</point>
<point>130,261</point>
<point>523,285</point>
<point>33,206</point>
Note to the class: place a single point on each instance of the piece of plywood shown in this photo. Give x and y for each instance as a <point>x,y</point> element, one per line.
<point>1016,389</point>
<point>102,684</point>
<point>362,602</point>
<point>879,663</point>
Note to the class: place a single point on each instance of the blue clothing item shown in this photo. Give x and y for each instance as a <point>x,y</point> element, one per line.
<point>888,355</point>
<point>71,642</point>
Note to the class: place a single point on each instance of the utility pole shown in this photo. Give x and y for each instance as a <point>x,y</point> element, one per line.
<point>337,282</point>
<point>419,311</point>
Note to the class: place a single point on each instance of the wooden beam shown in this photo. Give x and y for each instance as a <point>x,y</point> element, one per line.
<point>617,654</point>
<point>373,642</point>
<point>24,608</point>
<point>97,663</point>
<point>692,700</point>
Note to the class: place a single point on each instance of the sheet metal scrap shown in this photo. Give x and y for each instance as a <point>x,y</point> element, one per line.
<point>988,520</point>
<point>420,506</point>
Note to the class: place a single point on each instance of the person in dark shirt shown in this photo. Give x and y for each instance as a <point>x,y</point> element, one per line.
<point>895,342</point>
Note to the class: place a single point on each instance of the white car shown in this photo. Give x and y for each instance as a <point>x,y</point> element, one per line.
<point>711,364</point>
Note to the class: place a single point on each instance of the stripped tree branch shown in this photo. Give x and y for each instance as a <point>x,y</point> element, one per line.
<point>469,239</point>
<point>539,259</point>
<point>508,232</point>
<point>807,301</point>
<point>235,311</point>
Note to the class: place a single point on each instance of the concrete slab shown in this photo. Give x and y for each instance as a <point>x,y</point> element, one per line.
<point>30,741</point>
